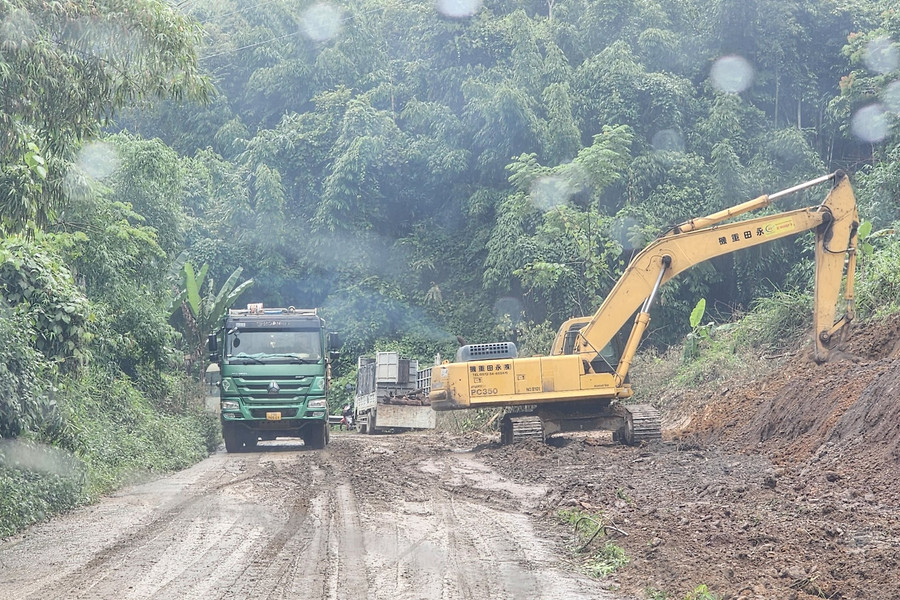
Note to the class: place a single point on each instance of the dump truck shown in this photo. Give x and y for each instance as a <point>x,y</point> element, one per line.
<point>391,394</point>
<point>583,383</point>
<point>275,370</point>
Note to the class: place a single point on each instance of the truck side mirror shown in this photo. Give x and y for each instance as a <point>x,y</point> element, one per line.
<point>334,341</point>
<point>213,345</point>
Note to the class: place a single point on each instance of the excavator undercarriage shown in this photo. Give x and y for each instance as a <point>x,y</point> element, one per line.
<point>631,424</point>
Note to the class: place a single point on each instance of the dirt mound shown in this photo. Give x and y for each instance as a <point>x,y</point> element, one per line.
<point>791,414</point>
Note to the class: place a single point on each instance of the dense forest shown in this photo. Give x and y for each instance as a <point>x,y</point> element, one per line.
<point>418,170</point>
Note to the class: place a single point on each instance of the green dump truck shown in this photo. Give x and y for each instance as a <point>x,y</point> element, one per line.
<point>275,366</point>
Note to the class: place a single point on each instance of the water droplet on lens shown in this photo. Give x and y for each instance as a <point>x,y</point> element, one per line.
<point>508,306</point>
<point>550,192</point>
<point>667,140</point>
<point>881,55</point>
<point>891,97</point>
<point>458,8</point>
<point>98,159</point>
<point>321,22</point>
<point>870,123</point>
<point>731,74</point>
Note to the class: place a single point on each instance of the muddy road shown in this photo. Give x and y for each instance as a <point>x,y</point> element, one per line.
<point>370,517</point>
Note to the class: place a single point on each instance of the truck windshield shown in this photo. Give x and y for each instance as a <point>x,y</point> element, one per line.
<point>268,346</point>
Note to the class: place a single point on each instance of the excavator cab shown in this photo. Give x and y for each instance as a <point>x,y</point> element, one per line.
<point>605,361</point>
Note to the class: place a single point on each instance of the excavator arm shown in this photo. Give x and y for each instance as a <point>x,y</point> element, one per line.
<point>835,221</point>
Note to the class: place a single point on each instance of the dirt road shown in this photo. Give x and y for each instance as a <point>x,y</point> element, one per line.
<point>370,517</point>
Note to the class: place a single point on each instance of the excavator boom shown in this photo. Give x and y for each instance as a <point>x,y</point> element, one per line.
<point>835,221</point>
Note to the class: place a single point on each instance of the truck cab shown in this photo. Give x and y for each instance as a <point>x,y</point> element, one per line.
<point>275,371</point>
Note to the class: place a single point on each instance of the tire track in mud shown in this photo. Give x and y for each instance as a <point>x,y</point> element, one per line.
<point>446,526</point>
<point>188,524</point>
<point>369,517</point>
<point>514,561</point>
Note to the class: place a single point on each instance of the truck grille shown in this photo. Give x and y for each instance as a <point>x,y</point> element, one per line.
<point>256,389</point>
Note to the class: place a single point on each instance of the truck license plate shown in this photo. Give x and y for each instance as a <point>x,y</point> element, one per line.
<point>273,416</point>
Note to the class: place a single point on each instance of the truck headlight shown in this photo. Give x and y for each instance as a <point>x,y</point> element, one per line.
<point>230,405</point>
<point>317,403</point>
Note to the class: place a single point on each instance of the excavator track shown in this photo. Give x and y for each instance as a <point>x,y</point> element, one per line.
<point>516,427</point>
<point>642,424</point>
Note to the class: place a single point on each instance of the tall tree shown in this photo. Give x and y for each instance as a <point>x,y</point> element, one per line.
<point>65,68</point>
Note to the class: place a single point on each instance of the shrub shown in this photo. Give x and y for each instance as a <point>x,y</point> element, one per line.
<point>33,281</point>
<point>878,290</point>
<point>29,494</point>
<point>23,376</point>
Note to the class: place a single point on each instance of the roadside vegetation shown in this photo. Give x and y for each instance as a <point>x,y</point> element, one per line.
<point>701,592</point>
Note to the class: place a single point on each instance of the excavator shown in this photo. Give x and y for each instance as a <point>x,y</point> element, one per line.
<point>583,382</point>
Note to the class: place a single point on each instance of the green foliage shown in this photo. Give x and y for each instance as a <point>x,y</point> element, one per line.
<point>701,592</point>
<point>24,377</point>
<point>865,229</point>
<point>68,67</point>
<point>601,562</point>
<point>104,433</point>
<point>531,339</point>
<point>113,429</point>
<point>202,314</point>
<point>607,560</point>
<point>776,322</point>
<point>698,334</point>
<point>878,290</point>
<point>697,313</point>
<point>38,287</point>
<point>149,178</point>
<point>29,496</point>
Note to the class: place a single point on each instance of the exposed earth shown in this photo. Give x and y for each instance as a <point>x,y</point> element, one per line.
<point>781,489</point>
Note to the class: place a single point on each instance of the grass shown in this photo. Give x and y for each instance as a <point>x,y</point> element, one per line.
<point>701,592</point>
<point>878,289</point>
<point>105,433</point>
<point>746,349</point>
<point>596,562</point>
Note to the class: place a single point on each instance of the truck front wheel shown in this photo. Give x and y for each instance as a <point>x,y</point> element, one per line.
<point>316,437</point>
<point>234,439</point>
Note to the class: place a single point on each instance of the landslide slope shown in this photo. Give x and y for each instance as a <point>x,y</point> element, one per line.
<point>843,415</point>
<point>832,435</point>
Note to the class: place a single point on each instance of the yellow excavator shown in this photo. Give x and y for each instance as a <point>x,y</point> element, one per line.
<point>582,383</point>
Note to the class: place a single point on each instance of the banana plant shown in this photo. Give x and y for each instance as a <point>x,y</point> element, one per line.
<point>699,332</point>
<point>202,314</point>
